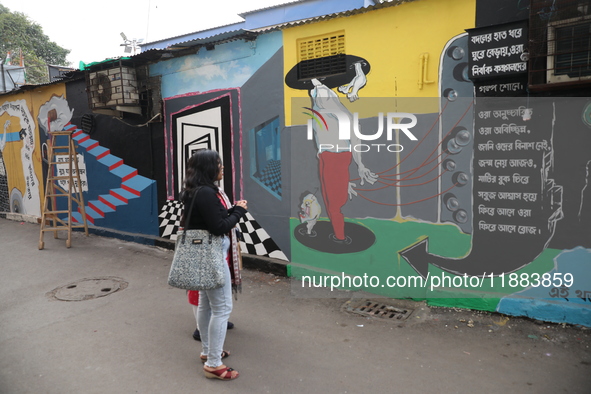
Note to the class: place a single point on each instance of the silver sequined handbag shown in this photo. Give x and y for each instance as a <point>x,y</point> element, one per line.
<point>198,261</point>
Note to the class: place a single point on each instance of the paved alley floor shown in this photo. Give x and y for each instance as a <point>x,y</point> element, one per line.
<point>137,339</point>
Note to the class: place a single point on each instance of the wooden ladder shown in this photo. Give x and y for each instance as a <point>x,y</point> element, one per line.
<point>63,183</point>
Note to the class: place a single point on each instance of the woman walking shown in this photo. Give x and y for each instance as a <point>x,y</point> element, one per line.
<point>214,212</point>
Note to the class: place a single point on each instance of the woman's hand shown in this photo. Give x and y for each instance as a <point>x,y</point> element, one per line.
<point>241,203</point>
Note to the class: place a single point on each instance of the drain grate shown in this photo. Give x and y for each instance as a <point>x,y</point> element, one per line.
<point>375,309</point>
<point>88,289</point>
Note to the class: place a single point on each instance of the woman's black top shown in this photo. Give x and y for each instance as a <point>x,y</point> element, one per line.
<point>209,213</point>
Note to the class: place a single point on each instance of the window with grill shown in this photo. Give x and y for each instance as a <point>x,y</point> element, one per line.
<point>559,43</point>
<point>572,50</point>
<point>321,56</point>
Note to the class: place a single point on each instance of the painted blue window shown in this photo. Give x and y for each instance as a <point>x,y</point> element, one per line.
<point>265,156</point>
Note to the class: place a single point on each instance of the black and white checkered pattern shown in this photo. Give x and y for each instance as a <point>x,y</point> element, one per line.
<point>271,176</point>
<point>255,241</point>
<point>170,219</point>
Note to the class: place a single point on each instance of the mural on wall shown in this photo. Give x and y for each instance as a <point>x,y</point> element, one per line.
<point>194,125</point>
<point>241,77</point>
<point>55,115</point>
<point>334,156</point>
<point>117,197</point>
<point>19,183</point>
<point>483,181</point>
<point>265,150</point>
<point>498,147</point>
<point>562,293</point>
<point>487,191</point>
<point>200,127</point>
<point>209,121</point>
<point>22,175</point>
<point>553,210</point>
<point>228,66</point>
<point>406,172</point>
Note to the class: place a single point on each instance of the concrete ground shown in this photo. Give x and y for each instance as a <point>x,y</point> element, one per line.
<point>138,339</point>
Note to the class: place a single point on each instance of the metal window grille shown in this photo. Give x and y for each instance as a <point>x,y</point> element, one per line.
<point>322,56</point>
<point>571,50</point>
<point>559,42</point>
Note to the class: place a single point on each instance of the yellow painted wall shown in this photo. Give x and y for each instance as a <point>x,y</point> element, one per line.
<point>13,151</point>
<point>391,40</point>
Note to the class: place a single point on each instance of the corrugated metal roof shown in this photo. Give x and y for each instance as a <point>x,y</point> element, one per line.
<point>271,7</point>
<point>187,34</point>
<point>387,4</point>
<point>72,76</point>
<point>229,24</point>
<point>217,39</point>
<point>236,34</point>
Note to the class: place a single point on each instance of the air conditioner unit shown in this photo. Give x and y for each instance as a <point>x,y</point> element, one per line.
<point>569,50</point>
<point>114,88</point>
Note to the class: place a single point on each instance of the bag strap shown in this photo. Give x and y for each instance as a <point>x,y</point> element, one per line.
<point>188,217</point>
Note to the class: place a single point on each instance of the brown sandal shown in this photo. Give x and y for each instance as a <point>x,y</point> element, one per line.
<point>222,373</point>
<point>224,355</point>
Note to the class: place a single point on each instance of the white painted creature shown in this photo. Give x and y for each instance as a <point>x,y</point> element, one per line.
<point>310,212</point>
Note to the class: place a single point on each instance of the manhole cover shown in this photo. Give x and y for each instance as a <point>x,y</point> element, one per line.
<point>88,289</point>
<point>376,309</point>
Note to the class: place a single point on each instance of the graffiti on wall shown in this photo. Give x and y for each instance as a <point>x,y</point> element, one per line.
<point>195,123</point>
<point>55,115</point>
<point>116,196</point>
<point>336,187</point>
<point>211,121</point>
<point>481,193</point>
<point>19,183</point>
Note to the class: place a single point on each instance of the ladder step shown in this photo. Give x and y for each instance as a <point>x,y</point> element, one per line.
<point>66,161</point>
<point>55,195</point>
<point>69,177</point>
<point>49,217</point>
<point>59,221</point>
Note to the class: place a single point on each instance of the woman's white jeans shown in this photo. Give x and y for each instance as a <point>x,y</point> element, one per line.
<point>213,313</point>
